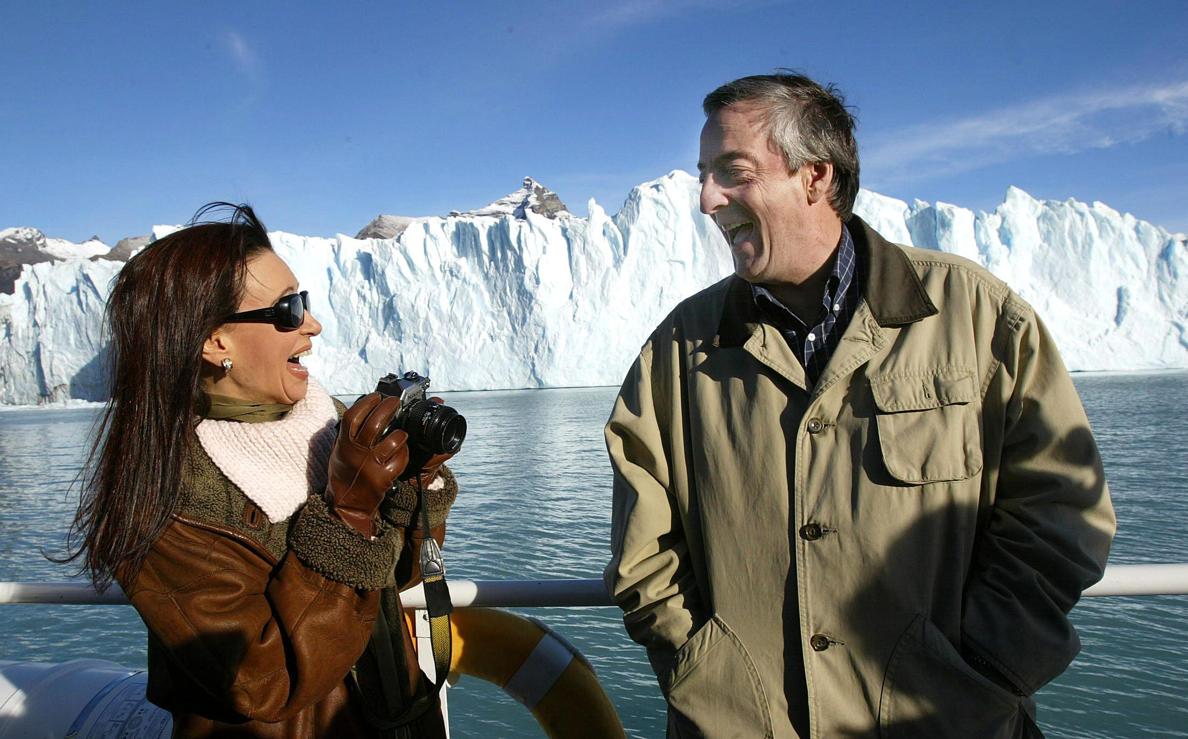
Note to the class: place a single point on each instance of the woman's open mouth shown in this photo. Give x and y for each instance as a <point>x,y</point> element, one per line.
<point>295,365</point>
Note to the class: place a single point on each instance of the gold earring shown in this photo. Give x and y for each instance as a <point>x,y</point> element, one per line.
<point>227,364</point>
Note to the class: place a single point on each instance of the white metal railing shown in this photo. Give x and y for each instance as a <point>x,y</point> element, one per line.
<point>1149,579</point>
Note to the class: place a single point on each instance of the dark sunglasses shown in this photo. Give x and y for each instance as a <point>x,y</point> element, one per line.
<point>287,315</point>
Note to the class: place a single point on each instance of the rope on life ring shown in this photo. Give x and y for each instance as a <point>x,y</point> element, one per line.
<point>536,666</point>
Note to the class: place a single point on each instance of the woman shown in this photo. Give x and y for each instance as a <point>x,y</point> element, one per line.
<point>259,543</point>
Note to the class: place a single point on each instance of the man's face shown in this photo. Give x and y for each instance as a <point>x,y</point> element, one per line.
<point>758,203</point>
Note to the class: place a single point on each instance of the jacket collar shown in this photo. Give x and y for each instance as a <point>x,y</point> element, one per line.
<point>740,315</point>
<point>890,287</point>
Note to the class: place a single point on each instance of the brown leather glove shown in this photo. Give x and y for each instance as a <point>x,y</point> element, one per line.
<point>428,468</point>
<point>363,466</point>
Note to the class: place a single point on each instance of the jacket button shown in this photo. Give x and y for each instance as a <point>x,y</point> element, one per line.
<point>819,642</point>
<point>815,425</point>
<point>810,531</point>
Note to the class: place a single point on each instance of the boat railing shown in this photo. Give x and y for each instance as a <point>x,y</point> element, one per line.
<point>1135,579</point>
<point>1119,580</point>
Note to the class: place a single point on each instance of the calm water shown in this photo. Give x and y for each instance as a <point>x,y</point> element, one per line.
<point>535,504</point>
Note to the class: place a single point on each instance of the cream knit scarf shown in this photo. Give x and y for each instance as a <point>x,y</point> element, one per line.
<point>276,463</point>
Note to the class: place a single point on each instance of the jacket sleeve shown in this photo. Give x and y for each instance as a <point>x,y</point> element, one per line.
<point>400,510</point>
<point>262,639</point>
<point>1049,529</point>
<point>650,574</point>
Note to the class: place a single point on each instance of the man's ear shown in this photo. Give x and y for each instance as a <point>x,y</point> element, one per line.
<point>216,347</point>
<point>818,180</point>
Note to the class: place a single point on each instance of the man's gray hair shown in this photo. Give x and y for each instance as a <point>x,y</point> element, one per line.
<point>808,122</point>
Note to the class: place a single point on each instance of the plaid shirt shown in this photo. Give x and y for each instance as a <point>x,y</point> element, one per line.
<point>814,345</point>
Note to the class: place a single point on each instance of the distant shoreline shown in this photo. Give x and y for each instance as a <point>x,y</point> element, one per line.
<point>69,405</point>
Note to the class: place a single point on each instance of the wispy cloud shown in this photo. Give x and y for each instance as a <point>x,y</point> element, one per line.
<point>1062,124</point>
<point>634,12</point>
<point>572,27</point>
<point>242,55</point>
<point>626,13</point>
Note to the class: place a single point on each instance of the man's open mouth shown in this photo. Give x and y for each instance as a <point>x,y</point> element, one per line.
<point>733,230</point>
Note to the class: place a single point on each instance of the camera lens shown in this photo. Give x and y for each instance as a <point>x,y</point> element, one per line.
<point>449,429</point>
<point>439,429</point>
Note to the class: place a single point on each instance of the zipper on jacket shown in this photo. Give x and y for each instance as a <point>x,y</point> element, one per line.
<point>991,673</point>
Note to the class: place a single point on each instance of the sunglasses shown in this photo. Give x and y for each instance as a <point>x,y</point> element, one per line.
<point>287,315</point>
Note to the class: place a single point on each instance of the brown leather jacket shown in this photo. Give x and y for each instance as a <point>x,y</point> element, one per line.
<point>254,627</point>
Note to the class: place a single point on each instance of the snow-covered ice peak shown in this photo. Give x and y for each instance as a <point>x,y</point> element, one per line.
<point>22,235</point>
<point>385,227</point>
<point>66,250</point>
<point>532,196</point>
<point>25,245</point>
<point>34,246</point>
<point>160,231</point>
<point>127,246</point>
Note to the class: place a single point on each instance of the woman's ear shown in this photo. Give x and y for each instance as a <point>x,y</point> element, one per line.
<point>217,347</point>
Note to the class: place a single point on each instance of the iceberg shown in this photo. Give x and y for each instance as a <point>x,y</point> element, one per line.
<point>524,294</point>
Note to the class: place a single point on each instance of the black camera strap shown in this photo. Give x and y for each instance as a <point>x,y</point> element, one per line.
<point>393,719</point>
<point>437,596</point>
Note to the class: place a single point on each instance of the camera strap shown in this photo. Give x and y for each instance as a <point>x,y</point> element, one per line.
<point>437,596</point>
<point>393,717</point>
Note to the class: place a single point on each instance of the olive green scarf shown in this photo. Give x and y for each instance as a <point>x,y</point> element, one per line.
<point>225,408</point>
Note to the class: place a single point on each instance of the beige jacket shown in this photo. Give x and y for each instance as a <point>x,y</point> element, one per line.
<point>853,549</point>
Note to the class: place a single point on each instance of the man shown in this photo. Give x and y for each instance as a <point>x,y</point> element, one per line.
<point>855,490</point>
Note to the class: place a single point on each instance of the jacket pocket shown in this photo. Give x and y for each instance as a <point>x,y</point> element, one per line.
<point>714,688</point>
<point>928,425</point>
<point>929,690</point>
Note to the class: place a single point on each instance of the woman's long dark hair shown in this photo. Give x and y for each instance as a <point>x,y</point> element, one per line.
<point>166,301</point>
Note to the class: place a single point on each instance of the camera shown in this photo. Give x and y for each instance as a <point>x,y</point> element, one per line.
<point>432,428</point>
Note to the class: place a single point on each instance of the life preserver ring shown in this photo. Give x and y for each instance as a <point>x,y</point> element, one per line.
<point>536,666</point>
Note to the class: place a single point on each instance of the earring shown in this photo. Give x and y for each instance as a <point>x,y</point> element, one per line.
<point>227,364</point>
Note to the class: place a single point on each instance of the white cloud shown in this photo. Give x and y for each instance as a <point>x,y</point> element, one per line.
<point>635,12</point>
<point>1063,124</point>
<point>242,54</point>
<point>630,13</point>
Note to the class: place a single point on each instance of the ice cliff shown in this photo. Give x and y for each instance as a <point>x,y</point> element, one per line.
<point>522,293</point>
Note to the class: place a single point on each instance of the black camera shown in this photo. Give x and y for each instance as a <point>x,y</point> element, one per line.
<point>432,427</point>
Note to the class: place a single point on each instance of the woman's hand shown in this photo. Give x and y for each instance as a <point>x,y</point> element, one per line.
<point>364,466</point>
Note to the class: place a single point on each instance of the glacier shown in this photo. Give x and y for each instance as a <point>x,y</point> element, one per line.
<point>524,294</point>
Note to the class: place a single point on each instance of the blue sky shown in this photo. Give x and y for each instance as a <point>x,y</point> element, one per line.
<point>116,116</point>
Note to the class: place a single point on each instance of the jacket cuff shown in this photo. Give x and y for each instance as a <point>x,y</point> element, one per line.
<point>398,507</point>
<point>334,549</point>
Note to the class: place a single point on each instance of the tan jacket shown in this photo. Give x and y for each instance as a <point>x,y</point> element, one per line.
<point>837,550</point>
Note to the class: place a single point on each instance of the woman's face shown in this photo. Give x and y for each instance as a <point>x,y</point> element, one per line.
<point>266,360</point>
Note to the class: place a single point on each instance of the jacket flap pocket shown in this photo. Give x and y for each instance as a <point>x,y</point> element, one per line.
<point>898,392</point>
<point>929,690</point>
<point>928,425</point>
<point>714,687</point>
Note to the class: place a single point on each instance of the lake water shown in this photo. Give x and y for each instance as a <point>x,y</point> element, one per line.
<point>535,503</point>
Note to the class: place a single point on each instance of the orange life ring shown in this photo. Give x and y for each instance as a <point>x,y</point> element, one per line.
<point>536,666</point>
